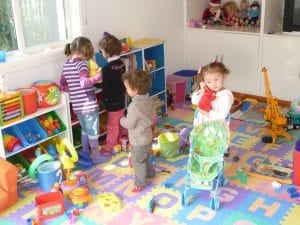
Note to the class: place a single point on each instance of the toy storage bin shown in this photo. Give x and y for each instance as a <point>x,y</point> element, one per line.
<point>30,100</point>
<point>14,133</point>
<point>76,132</point>
<point>51,123</point>
<point>178,86</point>
<point>19,159</point>
<point>189,75</point>
<point>31,131</point>
<point>168,144</point>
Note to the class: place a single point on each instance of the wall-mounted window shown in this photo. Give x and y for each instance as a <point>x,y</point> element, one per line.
<point>33,25</point>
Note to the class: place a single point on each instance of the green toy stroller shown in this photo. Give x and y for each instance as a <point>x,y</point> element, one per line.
<point>208,143</point>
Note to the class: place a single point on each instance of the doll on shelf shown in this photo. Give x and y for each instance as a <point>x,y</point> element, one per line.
<point>230,13</point>
<point>212,15</point>
<point>254,13</point>
<point>243,13</point>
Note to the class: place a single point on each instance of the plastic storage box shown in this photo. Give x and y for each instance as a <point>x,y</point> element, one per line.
<point>31,132</point>
<point>189,75</point>
<point>177,85</point>
<point>51,123</point>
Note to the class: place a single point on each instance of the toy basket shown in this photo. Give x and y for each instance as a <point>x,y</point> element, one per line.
<point>169,144</point>
<point>177,85</point>
<point>31,132</point>
<point>51,123</point>
<point>29,97</point>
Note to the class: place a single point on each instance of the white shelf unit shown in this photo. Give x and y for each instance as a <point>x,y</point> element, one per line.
<point>246,50</point>
<point>63,112</point>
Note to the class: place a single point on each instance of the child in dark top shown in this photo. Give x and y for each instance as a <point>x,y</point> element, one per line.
<point>113,90</point>
<point>75,79</point>
<point>139,121</point>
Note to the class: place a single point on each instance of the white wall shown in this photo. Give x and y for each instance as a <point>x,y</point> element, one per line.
<point>140,18</point>
<point>134,18</point>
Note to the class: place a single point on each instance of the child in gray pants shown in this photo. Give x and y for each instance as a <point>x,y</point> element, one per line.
<point>138,121</point>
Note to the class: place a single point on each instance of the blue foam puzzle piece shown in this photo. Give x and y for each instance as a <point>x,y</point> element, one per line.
<point>244,106</point>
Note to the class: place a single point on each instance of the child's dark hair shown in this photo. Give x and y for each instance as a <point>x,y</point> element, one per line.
<point>82,45</point>
<point>214,67</point>
<point>111,45</point>
<point>138,79</point>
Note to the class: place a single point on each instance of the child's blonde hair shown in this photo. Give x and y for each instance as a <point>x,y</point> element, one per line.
<point>80,45</point>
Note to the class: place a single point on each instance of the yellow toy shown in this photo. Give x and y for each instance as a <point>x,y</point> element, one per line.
<point>79,196</point>
<point>276,123</point>
<point>67,159</point>
<point>109,202</point>
<point>93,67</point>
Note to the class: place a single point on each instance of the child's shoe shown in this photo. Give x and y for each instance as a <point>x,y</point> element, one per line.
<point>105,152</point>
<point>137,188</point>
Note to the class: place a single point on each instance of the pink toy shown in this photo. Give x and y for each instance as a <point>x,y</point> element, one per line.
<point>193,23</point>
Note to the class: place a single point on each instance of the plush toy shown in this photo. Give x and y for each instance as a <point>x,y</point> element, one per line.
<point>254,13</point>
<point>212,15</point>
<point>230,13</point>
<point>243,13</point>
<point>206,99</point>
<point>93,67</point>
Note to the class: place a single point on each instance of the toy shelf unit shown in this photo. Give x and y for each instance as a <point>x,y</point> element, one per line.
<point>147,54</point>
<point>35,129</point>
<point>194,9</point>
<point>154,62</point>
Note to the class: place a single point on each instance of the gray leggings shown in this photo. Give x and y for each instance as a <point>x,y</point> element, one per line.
<point>143,169</point>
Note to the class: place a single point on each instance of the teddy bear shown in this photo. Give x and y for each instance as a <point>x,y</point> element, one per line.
<point>212,14</point>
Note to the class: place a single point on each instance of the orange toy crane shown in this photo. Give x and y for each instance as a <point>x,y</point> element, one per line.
<point>276,123</point>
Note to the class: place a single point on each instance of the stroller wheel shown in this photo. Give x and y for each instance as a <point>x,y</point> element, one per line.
<point>214,203</point>
<point>183,200</point>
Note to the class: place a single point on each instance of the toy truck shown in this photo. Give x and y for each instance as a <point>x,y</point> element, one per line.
<point>293,120</point>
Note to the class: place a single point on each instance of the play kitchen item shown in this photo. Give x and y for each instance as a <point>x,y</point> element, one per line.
<point>49,173</point>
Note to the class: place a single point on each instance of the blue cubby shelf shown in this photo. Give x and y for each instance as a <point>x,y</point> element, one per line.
<point>156,53</point>
<point>146,51</point>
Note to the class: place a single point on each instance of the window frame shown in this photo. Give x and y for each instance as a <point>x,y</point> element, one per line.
<point>45,53</point>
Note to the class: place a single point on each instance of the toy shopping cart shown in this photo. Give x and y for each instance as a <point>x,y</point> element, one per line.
<point>208,142</point>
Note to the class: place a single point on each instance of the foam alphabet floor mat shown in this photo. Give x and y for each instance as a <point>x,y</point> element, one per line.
<point>245,200</point>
